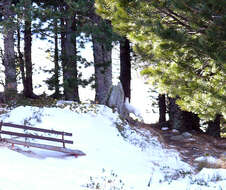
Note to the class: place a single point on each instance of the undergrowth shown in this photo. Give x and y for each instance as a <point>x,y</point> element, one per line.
<point>105,181</point>
<point>44,101</point>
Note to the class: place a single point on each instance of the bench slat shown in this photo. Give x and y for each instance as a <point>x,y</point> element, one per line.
<point>36,129</point>
<point>47,147</point>
<point>35,137</point>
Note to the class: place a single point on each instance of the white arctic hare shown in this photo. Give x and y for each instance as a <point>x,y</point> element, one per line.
<point>131,109</point>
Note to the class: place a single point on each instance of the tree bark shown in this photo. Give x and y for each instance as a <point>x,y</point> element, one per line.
<point>175,115</point>
<point>182,120</point>
<point>102,53</point>
<point>125,67</point>
<point>56,59</point>
<point>213,128</point>
<point>162,108</point>
<point>70,65</point>
<point>28,90</point>
<point>62,42</point>
<point>9,52</point>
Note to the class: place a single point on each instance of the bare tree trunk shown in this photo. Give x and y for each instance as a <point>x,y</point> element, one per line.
<point>62,42</point>
<point>102,63</point>
<point>182,120</point>
<point>70,58</point>
<point>214,127</point>
<point>175,115</point>
<point>9,53</point>
<point>162,108</point>
<point>28,91</point>
<point>56,59</point>
<point>125,67</point>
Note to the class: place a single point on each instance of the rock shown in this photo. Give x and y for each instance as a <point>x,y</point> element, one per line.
<point>177,138</point>
<point>116,99</point>
<point>187,135</point>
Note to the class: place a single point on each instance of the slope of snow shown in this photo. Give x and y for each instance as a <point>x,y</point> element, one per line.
<point>117,156</point>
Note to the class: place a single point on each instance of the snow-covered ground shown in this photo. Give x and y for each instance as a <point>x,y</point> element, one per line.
<point>117,156</point>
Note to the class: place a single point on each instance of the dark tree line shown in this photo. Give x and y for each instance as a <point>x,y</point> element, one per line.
<point>64,22</point>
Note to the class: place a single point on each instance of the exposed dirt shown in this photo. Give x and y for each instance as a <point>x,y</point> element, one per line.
<point>198,144</point>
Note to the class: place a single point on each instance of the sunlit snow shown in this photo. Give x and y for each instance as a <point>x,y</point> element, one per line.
<point>117,156</point>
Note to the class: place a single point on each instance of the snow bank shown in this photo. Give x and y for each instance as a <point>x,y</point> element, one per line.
<point>118,156</point>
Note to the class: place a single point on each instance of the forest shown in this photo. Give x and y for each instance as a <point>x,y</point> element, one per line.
<point>180,46</point>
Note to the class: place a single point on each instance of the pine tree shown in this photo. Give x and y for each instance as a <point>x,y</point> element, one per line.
<point>28,88</point>
<point>9,52</point>
<point>25,14</point>
<point>56,58</point>
<point>184,43</point>
<point>125,66</point>
<point>162,108</point>
<point>71,16</point>
<point>70,67</point>
<point>102,53</point>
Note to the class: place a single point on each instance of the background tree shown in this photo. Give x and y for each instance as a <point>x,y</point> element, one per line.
<point>67,22</point>
<point>28,88</point>
<point>9,52</point>
<point>125,66</point>
<point>25,15</point>
<point>56,57</point>
<point>162,108</point>
<point>70,68</point>
<point>214,127</point>
<point>102,53</point>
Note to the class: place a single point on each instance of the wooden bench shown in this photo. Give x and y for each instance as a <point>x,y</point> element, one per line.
<point>45,132</point>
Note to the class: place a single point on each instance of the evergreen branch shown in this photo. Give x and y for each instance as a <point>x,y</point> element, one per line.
<point>176,19</point>
<point>177,15</point>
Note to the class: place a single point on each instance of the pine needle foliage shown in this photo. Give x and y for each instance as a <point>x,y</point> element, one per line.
<point>184,43</point>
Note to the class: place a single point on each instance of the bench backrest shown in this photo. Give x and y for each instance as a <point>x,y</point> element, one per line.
<point>34,136</point>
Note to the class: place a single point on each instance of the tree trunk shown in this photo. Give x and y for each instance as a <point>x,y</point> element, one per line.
<point>56,60</point>
<point>182,120</point>
<point>175,115</point>
<point>28,91</point>
<point>9,53</point>
<point>62,42</point>
<point>102,63</point>
<point>70,58</point>
<point>125,66</point>
<point>162,108</point>
<point>213,128</point>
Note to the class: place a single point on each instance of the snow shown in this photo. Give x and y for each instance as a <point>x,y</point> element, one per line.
<point>207,159</point>
<point>132,109</point>
<point>164,128</point>
<point>117,155</point>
